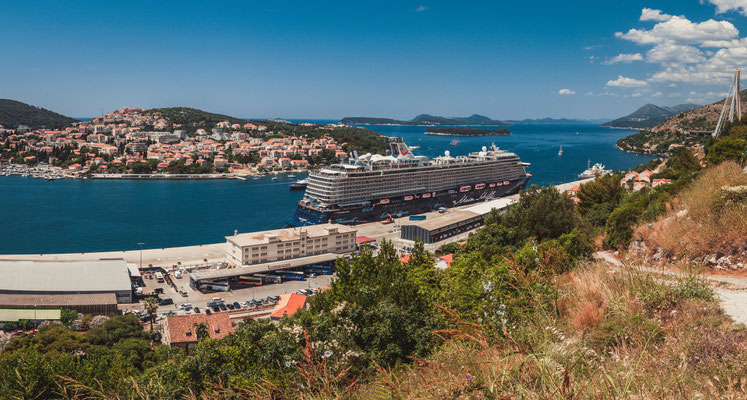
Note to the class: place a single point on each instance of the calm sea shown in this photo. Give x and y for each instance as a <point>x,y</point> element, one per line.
<point>100,215</point>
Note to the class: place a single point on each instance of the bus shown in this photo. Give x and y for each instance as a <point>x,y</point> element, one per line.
<point>319,269</point>
<point>220,286</point>
<point>293,275</point>
<point>250,280</point>
<point>159,277</point>
<point>269,278</point>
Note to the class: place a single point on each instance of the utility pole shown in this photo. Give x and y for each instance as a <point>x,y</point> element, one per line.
<point>141,253</point>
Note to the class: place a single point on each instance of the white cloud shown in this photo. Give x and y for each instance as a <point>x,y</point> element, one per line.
<point>592,47</point>
<point>681,29</point>
<point>624,82</point>
<point>723,6</point>
<point>636,94</point>
<point>625,58</point>
<point>658,94</point>
<point>648,14</point>
<point>673,94</point>
<point>670,52</point>
<point>567,92</point>
<point>589,94</point>
<point>672,85</point>
<point>421,8</point>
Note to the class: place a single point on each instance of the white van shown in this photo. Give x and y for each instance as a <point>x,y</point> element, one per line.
<point>178,274</point>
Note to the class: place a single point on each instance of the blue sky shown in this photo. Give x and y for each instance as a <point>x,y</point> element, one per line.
<point>325,59</point>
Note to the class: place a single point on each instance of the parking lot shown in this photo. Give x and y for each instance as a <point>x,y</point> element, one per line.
<point>240,294</point>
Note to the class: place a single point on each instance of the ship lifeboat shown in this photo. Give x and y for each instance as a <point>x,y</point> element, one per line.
<point>465,189</point>
<point>480,186</point>
<point>499,184</point>
<point>384,201</point>
<point>506,182</point>
<point>426,195</point>
<point>491,185</point>
<point>408,198</point>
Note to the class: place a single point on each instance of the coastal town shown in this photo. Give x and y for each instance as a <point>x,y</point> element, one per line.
<point>136,141</point>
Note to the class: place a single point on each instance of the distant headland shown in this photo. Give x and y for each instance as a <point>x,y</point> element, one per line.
<point>426,120</point>
<point>467,132</point>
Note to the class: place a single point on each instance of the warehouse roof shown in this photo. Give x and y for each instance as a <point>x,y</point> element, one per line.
<point>34,315</point>
<point>64,276</point>
<point>486,207</point>
<point>443,220</point>
<point>56,300</point>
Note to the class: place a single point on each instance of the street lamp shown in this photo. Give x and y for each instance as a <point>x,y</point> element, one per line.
<point>141,254</point>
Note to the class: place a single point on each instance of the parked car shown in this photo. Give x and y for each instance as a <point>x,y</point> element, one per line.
<point>183,292</point>
<point>216,308</point>
<point>165,301</point>
<point>230,306</point>
<point>222,306</point>
<point>197,310</point>
<point>217,300</point>
<point>207,311</point>
<point>236,305</point>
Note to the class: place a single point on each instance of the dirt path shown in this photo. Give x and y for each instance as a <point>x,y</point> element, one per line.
<point>732,290</point>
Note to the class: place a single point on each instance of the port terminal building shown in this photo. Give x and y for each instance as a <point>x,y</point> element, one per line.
<point>440,227</point>
<point>95,286</point>
<point>260,256</point>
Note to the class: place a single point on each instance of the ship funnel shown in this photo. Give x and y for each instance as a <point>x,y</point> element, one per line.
<point>400,149</point>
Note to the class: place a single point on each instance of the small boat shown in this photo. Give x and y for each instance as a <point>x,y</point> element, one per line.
<point>455,142</point>
<point>291,176</point>
<point>576,133</point>
<point>274,178</point>
<point>480,186</point>
<point>465,189</point>
<point>384,201</point>
<point>591,172</point>
<point>560,152</point>
<point>299,185</point>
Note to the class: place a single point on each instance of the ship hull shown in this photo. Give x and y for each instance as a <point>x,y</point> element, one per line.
<point>400,207</point>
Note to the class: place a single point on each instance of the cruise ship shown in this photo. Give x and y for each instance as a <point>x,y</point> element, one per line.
<point>375,187</point>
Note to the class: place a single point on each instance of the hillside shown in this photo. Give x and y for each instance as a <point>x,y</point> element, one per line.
<point>649,116</point>
<point>689,128</point>
<point>426,120</point>
<point>14,113</point>
<point>191,119</point>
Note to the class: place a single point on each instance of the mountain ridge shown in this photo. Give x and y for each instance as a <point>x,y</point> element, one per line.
<point>650,115</point>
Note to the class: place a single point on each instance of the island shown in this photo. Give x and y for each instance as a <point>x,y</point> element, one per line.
<point>467,132</point>
<point>426,120</point>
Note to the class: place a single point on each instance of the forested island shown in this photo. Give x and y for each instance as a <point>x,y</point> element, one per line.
<point>426,120</point>
<point>468,132</point>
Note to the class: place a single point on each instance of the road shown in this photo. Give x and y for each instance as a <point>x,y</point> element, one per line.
<point>731,290</point>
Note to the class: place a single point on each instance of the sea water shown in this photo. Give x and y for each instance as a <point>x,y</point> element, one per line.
<point>69,216</point>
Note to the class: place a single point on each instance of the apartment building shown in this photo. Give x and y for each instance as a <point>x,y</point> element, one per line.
<point>284,244</point>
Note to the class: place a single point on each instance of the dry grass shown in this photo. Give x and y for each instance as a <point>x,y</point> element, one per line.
<point>698,224</point>
<point>619,335</point>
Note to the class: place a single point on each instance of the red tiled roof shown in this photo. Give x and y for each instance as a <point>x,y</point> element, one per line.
<point>181,328</point>
<point>364,239</point>
<point>448,258</point>
<point>288,305</point>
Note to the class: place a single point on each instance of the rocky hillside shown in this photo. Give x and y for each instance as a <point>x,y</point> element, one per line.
<point>649,116</point>
<point>699,119</point>
<point>14,113</point>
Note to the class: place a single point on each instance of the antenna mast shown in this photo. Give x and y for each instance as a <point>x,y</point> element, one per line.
<point>732,102</point>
